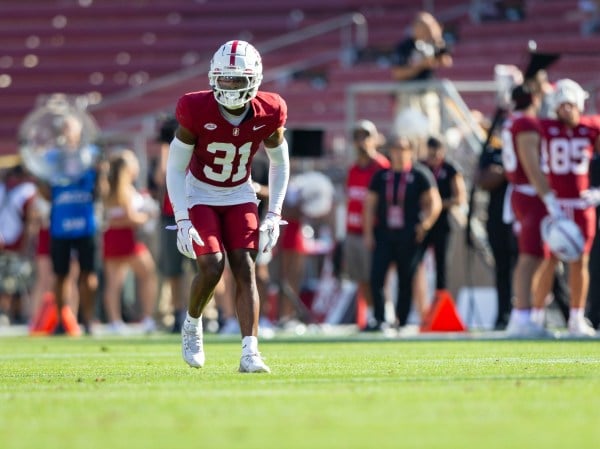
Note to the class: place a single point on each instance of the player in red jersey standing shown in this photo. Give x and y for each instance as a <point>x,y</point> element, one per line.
<point>368,161</point>
<point>209,184</point>
<point>521,157</point>
<point>568,146</point>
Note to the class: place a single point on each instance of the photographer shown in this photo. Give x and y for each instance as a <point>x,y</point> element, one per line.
<point>416,58</point>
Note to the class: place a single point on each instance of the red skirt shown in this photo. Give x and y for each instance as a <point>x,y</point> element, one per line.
<point>121,242</point>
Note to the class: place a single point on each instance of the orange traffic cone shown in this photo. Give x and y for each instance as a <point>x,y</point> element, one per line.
<point>443,316</point>
<point>361,309</point>
<point>69,322</point>
<point>46,317</point>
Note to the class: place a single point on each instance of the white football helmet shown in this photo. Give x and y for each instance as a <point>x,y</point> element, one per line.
<point>563,237</point>
<point>237,59</point>
<point>568,91</point>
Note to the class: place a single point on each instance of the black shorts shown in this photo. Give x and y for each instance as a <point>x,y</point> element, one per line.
<point>60,253</point>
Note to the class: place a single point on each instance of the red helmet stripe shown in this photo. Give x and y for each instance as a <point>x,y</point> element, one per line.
<point>233,53</point>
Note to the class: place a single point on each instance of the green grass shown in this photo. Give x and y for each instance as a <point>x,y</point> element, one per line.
<point>137,393</point>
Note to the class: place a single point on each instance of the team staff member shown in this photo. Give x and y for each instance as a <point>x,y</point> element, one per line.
<point>401,206</point>
<point>491,177</point>
<point>451,185</point>
<point>368,161</point>
<point>73,222</point>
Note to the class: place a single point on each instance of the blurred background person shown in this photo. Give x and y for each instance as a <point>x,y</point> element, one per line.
<point>44,275</point>
<point>491,177</point>
<point>569,179</point>
<point>260,182</point>
<point>17,216</point>
<point>451,185</point>
<point>401,207</point>
<point>356,256</point>
<point>530,201</point>
<point>593,300</point>
<point>417,58</point>
<point>72,190</point>
<point>125,212</point>
<point>174,267</point>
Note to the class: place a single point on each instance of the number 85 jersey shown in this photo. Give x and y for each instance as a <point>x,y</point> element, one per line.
<point>566,156</point>
<point>223,153</point>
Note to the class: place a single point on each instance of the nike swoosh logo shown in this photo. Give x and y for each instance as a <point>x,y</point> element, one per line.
<point>256,128</point>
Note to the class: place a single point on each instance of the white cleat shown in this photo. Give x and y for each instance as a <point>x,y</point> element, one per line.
<point>253,363</point>
<point>191,344</point>
<point>528,330</point>
<point>580,327</point>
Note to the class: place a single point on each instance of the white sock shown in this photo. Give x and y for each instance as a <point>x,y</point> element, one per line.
<point>191,320</point>
<point>522,316</point>
<point>575,314</point>
<point>250,345</point>
<point>537,316</point>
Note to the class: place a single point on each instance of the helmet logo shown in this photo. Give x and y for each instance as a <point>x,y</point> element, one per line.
<point>233,53</point>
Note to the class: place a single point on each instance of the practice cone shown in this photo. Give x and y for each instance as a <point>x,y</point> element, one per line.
<point>361,309</point>
<point>69,321</point>
<point>443,316</point>
<point>46,318</point>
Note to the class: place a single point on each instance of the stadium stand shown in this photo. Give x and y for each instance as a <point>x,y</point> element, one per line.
<point>110,48</point>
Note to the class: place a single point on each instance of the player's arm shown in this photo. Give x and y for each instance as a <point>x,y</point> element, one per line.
<point>276,148</point>
<point>529,157</point>
<point>44,189</point>
<point>430,203</point>
<point>459,192</point>
<point>490,177</point>
<point>180,154</point>
<point>528,143</point>
<point>369,208</point>
<point>410,71</point>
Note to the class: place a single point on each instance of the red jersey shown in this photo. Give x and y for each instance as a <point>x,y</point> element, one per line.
<point>566,156</point>
<point>515,124</point>
<point>223,153</point>
<point>356,189</point>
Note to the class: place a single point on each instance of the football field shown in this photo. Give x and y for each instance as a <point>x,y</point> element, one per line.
<point>136,392</point>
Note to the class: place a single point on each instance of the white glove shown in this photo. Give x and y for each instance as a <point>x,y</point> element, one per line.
<point>552,205</point>
<point>270,226</point>
<point>591,197</point>
<point>186,235</point>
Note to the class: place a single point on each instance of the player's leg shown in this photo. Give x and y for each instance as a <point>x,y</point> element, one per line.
<point>579,276</point>
<point>240,230</point>
<point>115,273</point>
<point>211,263</point>
<point>88,279</point>
<point>529,212</point>
<point>60,254</point>
<point>144,268</point>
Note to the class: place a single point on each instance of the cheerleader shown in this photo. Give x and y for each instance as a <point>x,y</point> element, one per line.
<point>125,212</point>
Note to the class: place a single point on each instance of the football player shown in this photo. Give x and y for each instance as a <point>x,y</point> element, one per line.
<point>568,146</point>
<point>530,199</point>
<point>209,184</point>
